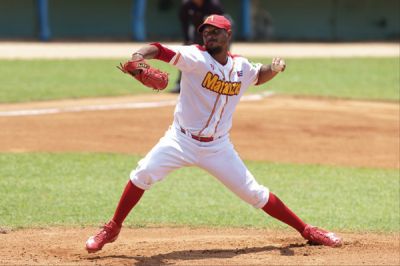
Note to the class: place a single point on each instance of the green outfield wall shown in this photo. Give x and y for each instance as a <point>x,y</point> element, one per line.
<point>18,19</point>
<point>287,20</point>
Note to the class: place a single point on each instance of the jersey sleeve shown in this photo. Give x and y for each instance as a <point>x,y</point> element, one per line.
<point>186,58</point>
<point>253,69</point>
<point>181,56</point>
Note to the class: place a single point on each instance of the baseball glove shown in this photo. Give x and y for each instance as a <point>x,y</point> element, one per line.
<point>145,74</point>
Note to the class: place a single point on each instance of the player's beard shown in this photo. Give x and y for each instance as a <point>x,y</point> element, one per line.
<point>214,50</point>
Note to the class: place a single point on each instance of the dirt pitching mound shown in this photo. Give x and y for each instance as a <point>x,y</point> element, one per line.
<point>185,246</point>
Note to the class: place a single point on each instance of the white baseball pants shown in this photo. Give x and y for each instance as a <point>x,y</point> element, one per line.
<point>175,150</point>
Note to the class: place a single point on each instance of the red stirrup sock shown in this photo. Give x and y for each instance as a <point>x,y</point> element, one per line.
<point>129,198</point>
<point>278,210</point>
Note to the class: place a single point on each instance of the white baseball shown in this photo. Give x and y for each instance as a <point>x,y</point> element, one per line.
<point>278,65</point>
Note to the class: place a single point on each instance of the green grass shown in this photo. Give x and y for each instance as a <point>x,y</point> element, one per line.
<point>359,78</point>
<point>41,189</point>
<point>37,80</point>
<point>355,78</point>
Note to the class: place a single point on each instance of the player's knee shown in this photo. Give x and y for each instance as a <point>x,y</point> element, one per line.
<point>258,196</point>
<point>144,176</point>
<point>255,194</point>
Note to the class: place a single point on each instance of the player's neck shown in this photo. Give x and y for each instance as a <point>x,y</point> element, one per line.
<point>221,57</point>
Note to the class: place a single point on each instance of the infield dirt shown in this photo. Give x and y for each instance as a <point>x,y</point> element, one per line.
<point>277,128</point>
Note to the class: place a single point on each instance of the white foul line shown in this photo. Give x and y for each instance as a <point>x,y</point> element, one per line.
<point>114,106</point>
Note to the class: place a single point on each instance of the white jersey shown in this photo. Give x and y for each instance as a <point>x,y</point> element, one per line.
<point>202,120</point>
<point>209,91</point>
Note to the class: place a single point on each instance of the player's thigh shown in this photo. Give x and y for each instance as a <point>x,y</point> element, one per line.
<point>163,158</point>
<point>229,168</point>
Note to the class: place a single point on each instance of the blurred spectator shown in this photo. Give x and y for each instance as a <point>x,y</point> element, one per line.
<point>262,22</point>
<point>191,15</point>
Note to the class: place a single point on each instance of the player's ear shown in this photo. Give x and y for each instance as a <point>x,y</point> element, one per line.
<point>229,34</point>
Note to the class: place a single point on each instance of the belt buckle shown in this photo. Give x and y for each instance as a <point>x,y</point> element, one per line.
<point>203,139</point>
<point>198,138</point>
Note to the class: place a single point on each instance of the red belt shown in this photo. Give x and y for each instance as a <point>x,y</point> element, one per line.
<point>198,138</point>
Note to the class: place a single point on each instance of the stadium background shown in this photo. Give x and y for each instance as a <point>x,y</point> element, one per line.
<point>141,20</point>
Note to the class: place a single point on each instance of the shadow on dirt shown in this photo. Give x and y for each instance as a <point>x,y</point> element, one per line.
<point>186,255</point>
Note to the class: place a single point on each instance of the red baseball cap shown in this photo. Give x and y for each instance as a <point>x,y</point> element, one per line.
<point>216,21</point>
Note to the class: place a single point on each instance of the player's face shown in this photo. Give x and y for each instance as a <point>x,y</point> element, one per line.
<point>215,39</point>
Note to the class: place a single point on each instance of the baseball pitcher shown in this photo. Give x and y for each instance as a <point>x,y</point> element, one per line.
<point>213,81</point>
